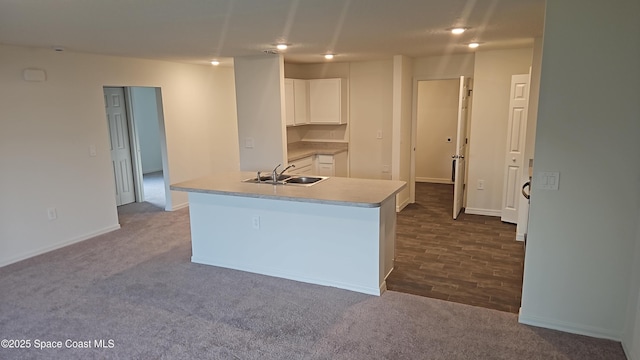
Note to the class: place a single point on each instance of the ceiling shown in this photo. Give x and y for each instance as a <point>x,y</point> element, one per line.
<point>197,31</point>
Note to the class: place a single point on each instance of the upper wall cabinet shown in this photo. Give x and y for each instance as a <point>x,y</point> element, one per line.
<point>327,101</point>
<point>289,101</point>
<point>296,99</point>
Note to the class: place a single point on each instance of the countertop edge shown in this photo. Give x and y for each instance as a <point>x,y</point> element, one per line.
<point>282,197</point>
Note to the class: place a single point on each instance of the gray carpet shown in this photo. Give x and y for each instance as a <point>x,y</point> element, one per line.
<point>137,287</point>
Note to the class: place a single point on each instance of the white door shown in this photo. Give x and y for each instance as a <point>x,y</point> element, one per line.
<point>514,160</point>
<point>461,147</point>
<point>114,101</point>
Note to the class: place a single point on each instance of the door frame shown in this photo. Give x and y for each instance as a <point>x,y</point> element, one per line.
<point>134,144</point>
<point>414,131</point>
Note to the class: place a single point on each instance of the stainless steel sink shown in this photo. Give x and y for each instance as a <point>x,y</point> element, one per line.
<point>303,180</point>
<point>297,180</point>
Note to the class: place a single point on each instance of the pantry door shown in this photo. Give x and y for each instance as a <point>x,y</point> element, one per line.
<point>115,105</point>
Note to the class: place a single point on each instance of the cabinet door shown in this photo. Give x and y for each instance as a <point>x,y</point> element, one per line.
<point>304,166</point>
<point>326,170</point>
<point>289,102</point>
<point>325,101</point>
<point>301,101</point>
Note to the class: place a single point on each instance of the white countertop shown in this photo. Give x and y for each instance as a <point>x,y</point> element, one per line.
<point>335,190</point>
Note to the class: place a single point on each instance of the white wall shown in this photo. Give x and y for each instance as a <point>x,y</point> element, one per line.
<point>47,128</point>
<point>437,121</point>
<point>443,67</point>
<point>401,140</point>
<point>631,335</point>
<point>489,117</point>
<point>317,71</point>
<point>582,237</point>
<point>260,106</point>
<point>371,106</point>
<point>145,116</point>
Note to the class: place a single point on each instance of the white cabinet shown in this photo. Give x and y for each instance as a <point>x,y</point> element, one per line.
<point>301,101</point>
<point>327,101</point>
<point>304,166</point>
<point>296,99</point>
<point>289,102</point>
<point>332,165</point>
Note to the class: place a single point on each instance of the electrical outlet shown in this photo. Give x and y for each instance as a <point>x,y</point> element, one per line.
<point>248,143</point>
<point>379,134</point>
<point>52,214</point>
<point>480,184</point>
<point>255,222</point>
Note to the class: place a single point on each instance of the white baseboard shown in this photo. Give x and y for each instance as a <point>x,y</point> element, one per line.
<point>434,180</point>
<point>573,328</point>
<point>59,245</point>
<point>179,206</point>
<point>519,236</point>
<point>629,353</point>
<point>486,212</point>
<point>402,205</point>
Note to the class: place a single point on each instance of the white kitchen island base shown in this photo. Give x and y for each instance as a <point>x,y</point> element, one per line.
<point>348,247</point>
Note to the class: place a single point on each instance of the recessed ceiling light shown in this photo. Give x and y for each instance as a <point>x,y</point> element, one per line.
<point>328,56</point>
<point>215,62</point>
<point>282,46</point>
<point>458,30</point>
<point>474,45</point>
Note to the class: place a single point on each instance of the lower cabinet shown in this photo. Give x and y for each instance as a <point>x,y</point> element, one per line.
<point>304,166</point>
<point>322,165</point>
<point>333,165</point>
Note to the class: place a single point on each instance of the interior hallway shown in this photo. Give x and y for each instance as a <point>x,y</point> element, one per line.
<point>473,260</point>
<point>154,189</point>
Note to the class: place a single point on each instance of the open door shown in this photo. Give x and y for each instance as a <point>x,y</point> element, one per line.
<point>458,164</point>
<point>516,136</point>
<point>117,120</point>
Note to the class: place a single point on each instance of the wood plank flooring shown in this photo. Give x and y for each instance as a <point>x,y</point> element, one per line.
<point>473,260</point>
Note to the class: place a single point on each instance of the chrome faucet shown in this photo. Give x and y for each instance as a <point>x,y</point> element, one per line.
<point>287,168</point>
<point>274,174</point>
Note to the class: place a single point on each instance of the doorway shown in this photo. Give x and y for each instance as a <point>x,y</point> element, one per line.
<point>441,135</point>
<point>141,130</point>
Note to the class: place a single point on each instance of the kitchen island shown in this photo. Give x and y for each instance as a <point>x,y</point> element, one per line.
<point>338,232</point>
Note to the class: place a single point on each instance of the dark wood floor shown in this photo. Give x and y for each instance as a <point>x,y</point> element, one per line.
<point>473,260</point>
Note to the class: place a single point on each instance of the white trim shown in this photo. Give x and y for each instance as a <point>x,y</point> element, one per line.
<point>486,212</point>
<point>573,328</point>
<point>629,352</point>
<point>179,206</point>
<point>434,180</point>
<point>402,205</point>
<point>59,245</point>
<point>519,236</point>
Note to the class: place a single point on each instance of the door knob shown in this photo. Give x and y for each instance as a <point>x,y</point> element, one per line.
<point>513,159</point>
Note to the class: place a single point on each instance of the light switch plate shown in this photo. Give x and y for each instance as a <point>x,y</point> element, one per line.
<point>547,180</point>
<point>248,143</point>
